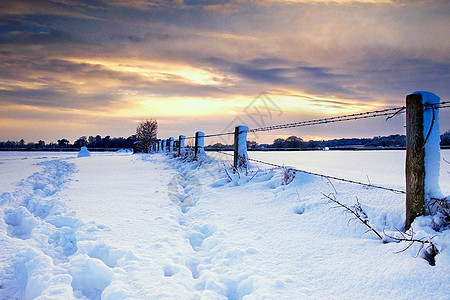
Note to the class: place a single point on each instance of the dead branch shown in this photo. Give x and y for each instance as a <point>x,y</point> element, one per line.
<point>430,252</point>
<point>442,206</point>
<point>356,212</point>
<point>332,185</point>
<point>236,170</point>
<point>288,175</point>
<point>368,179</point>
<point>229,177</point>
<point>254,174</point>
<point>359,210</point>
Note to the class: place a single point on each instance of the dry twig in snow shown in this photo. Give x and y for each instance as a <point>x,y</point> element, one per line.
<point>357,212</point>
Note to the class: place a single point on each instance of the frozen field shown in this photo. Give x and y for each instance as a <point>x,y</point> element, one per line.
<point>122,226</point>
<point>383,167</point>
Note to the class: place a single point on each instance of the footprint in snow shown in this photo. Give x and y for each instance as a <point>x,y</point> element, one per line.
<point>184,189</point>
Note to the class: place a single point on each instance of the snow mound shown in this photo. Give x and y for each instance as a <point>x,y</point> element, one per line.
<point>84,152</point>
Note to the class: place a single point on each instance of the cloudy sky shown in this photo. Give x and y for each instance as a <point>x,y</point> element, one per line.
<point>72,68</point>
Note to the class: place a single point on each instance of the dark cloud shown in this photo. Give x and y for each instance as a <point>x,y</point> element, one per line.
<point>69,9</point>
<point>320,72</point>
<point>206,2</point>
<point>252,70</point>
<point>139,39</point>
<point>130,38</point>
<point>388,76</point>
<point>395,76</point>
<point>51,98</point>
<point>290,74</point>
<point>43,38</point>
<point>269,62</point>
<point>272,76</point>
<point>9,21</point>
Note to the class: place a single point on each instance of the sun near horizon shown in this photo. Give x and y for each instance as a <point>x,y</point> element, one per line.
<point>72,69</point>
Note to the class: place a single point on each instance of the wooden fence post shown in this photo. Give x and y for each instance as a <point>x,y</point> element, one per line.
<point>159,145</point>
<point>415,159</point>
<point>171,140</point>
<point>199,143</point>
<point>181,148</point>
<point>240,147</point>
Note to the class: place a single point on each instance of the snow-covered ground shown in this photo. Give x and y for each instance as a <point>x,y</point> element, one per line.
<point>122,226</point>
<point>382,167</point>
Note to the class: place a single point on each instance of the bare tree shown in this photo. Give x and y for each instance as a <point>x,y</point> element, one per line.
<point>146,133</point>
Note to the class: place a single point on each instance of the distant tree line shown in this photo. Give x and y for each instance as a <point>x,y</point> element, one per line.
<point>107,142</point>
<point>91,142</point>
<point>295,142</point>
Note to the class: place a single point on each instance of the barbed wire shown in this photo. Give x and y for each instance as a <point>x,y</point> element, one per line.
<point>324,176</point>
<point>443,105</point>
<point>364,115</point>
<point>211,135</point>
<point>437,105</point>
<point>389,112</point>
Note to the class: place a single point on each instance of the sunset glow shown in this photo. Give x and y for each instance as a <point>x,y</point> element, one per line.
<point>78,68</point>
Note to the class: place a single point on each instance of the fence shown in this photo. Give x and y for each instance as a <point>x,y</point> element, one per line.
<point>420,108</point>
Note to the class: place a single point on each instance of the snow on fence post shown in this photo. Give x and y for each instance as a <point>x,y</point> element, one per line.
<point>171,140</point>
<point>199,144</point>
<point>159,145</point>
<point>181,148</point>
<point>422,154</point>
<point>240,147</point>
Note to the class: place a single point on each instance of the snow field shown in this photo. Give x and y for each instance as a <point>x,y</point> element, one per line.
<point>121,226</point>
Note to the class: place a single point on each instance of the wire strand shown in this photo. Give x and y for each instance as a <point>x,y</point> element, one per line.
<point>351,117</point>
<point>324,176</point>
<point>390,112</point>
